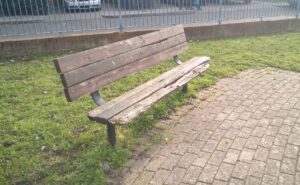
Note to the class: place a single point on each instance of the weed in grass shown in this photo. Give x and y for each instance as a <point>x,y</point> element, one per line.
<point>45,140</point>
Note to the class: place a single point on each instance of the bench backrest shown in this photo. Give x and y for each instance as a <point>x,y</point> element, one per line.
<point>88,71</point>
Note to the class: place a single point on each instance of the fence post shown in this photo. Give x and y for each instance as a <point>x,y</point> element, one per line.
<point>120,16</point>
<point>298,6</point>
<point>220,11</point>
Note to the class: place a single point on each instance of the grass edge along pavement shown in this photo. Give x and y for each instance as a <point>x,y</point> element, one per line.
<point>45,140</point>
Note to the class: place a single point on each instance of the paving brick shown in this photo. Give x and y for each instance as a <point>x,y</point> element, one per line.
<point>139,165</point>
<point>297,178</point>
<point>272,167</point>
<point>234,181</point>
<point>291,151</point>
<point>160,177</point>
<point>257,168</point>
<point>288,165</point>
<point>218,134</point>
<point>276,152</point>
<point>251,123</point>
<point>186,160</point>
<point>261,154</point>
<point>226,124</point>
<point>272,130</point>
<point>240,170</point>
<point>267,141</point>
<point>155,163</point>
<point>176,176</point>
<point>192,175</point>
<point>219,182</point>
<point>294,139</point>
<point>224,172</point>
<point>285,179</point>
<point>252,142</point>
<point>216,158</point>
<point>144,178</point>
<point>195,147</point>
<point>269,180</point>
<point>259,131</point>
<point>231,156</point>
<point>208,173</point>
<point>280,140</point>
<point>247,155</point>
<point>224,144</point>
<point>170,162</point>
<point>238,143</point>
<point>210,146</point>
<point>202,159</point>
<point>285,130</point>
<point>252,181</point>
<point>221,116</point>
<point>181,148</point>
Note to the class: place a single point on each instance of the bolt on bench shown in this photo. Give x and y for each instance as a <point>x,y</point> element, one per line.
<point>88,71</point>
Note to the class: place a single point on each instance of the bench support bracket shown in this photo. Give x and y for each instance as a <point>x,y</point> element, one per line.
<point>97,98</point>
<point>176,59</point>
<point>185,88</point>
<point>111,131</point>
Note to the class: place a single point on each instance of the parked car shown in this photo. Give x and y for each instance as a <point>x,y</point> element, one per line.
<point>293,3</point>
<point>83,5</point>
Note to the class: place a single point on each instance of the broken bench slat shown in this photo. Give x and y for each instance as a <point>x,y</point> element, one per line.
<point>133,111</point>
<point>89,71</point>
<point>91,85</point>
<point>75,61</point>
<point>121,103</point>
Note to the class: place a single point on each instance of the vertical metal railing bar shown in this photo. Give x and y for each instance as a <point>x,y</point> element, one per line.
<point>220,12</point>
<point>44,15</point>
<point>91,20</point>
<point>120,16</point>
<point>3,18</point>
<point>49,16</point>
<point>38,16</point>
<point>85,14</point>
<point>21,14</point>
<point>16,18</point>
<point>54,18</point>
<point>95,15</point>
<point>297,9</point>
<point>103,9</point>
<point>64,12</point>
<point>9,17</point>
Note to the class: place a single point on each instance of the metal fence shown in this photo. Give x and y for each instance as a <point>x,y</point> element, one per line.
<point>36,17</point>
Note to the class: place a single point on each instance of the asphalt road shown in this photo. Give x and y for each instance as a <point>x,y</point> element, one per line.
<point>108,18</point>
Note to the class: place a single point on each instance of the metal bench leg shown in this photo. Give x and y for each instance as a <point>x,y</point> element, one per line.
<point>185,88</point>
<point>111,132</point>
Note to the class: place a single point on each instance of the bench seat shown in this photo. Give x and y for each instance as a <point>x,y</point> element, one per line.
<point>126,107</point>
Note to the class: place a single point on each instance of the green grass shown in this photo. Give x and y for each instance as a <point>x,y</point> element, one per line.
<point>45,140</point>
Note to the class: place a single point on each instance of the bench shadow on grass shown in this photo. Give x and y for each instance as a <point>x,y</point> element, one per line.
<point>45,140</point>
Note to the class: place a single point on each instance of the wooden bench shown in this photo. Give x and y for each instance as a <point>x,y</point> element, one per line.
<point>88,71</point>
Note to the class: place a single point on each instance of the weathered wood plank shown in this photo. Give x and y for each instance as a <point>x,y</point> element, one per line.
<point>121,103</point>
<point>133,111</point>
<point>86,72</point>
<point>96,83</point>
<point>80,59</point>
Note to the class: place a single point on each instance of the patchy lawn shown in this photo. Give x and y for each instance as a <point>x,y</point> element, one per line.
<point>45,140</point>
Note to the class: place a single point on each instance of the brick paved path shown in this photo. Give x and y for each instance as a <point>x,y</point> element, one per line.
<point>243,130</point>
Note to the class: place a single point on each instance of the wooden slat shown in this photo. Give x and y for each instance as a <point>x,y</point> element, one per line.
<point>81,74</point>
<point>80,59</point>
<point>138,108</point>
<point>119,104</point>
<point>96,83</point>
